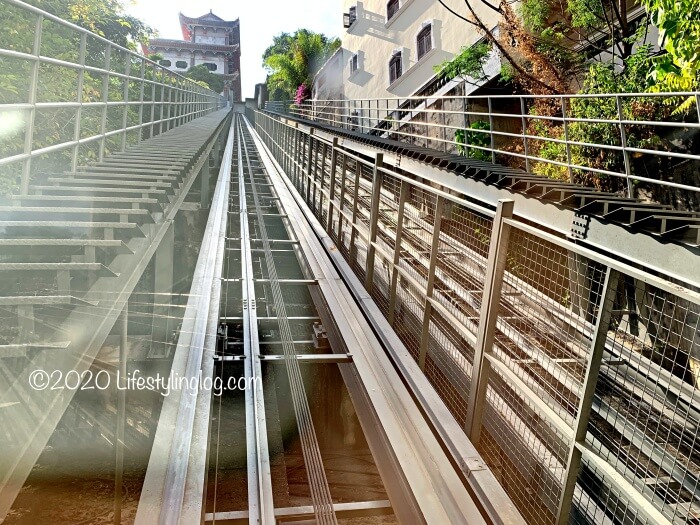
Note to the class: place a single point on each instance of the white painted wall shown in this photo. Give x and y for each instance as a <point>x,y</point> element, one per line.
<point>374,40</point>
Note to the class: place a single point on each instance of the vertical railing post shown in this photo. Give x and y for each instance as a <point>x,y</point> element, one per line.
<point>33,88</point>
<point>125,114</point>
<point>377,179</point>
<point>105,100</point>
<point>566,139</point>
<point>403,196</point>
<point>430,284</point>
<point>331,184</point>
<point>306,181</point>
<point>493,137</point>
<point>493,282</point>
<point>625,153</point>
<point>598,340</point>
<point>153,100</point>
<point>355,202</point>
<point>121,415</point>
<point>341,200</point>
<point>526,148</point>
<point>169,104</point>
<point>79,109</point>
<point>443,126</point>
<point>142,75</point>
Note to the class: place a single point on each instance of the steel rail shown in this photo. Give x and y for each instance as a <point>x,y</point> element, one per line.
<point>498,507</point>
<point>320,492</point>
<point>260,497</point>
<point>195,347</point>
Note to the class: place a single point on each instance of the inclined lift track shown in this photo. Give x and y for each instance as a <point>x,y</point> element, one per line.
<point>420,480</point>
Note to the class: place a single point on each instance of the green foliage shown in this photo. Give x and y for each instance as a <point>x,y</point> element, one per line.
<point>678,69</point>
<point>535,14</point>
<point>586,14</point>
<point>293,60</point>
<point>601,78</point>
<point>59,84</point>
<point>467,64</point>
<point>466,138</point>
<point>206,78</point>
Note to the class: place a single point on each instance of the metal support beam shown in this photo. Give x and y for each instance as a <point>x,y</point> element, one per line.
<point>121,414</point>
<point>204,184</point>
<point>493,281</point>
<point>428,308</point>
<point>331,184</point>
<point>162,294</point>
<point>355,202</point>
<point>403,195</point>
<point>373,220</point>
<point>595,357</point>
<point>359,509</point>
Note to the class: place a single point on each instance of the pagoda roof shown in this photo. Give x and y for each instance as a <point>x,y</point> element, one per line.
<point>208,19</point>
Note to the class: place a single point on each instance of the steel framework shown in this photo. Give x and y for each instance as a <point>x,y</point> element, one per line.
<point>575,374</point>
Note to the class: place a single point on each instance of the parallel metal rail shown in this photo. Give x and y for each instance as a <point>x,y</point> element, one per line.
<point>509,128</point>
<point>527,369</point>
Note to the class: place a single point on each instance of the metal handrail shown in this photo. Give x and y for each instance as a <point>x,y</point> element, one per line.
<point>172,99</point>
<point>512,136</point>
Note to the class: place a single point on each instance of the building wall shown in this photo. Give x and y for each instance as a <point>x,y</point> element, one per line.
<point>210,35</point>
<point>191,58</point>
<point>375,40</point>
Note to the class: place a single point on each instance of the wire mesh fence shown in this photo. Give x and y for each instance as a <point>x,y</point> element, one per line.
<point>578,386</point>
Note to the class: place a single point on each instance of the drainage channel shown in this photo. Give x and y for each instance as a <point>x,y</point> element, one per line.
<point>285,441</point>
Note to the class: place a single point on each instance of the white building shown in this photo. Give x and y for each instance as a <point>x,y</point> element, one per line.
<point>392,46</point>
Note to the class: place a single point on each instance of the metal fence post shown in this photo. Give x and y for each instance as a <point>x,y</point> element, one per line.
<point>105,100</point>
<point>430,285</point>
<point>625,153</point>
<point>403,196</point>
<point>524,127</point>
<point>341,199</point>
<point>33,87</point>
<point>493,281</point>
<point>121,415</point>
<point>493,137</point>
<point>142,75</point>
<point>79,109</point>
<point>377,178</point>
<point>125,114</point>
<point>306,182</point>
<point>600,334</point>
<point>353,224</point>
<point>566,139</point>
<point>331,184</point>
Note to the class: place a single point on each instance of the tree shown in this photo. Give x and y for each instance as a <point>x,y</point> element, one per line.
<point>678,68</point>
<point>211,80</point>
<point>293,60</point>
<point>59,84</point>
<point>546,47</point>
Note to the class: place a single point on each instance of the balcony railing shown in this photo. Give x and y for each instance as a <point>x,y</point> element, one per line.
<point>619,142</point>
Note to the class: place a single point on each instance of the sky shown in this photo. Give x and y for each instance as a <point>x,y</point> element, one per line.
<point>260,21</point>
